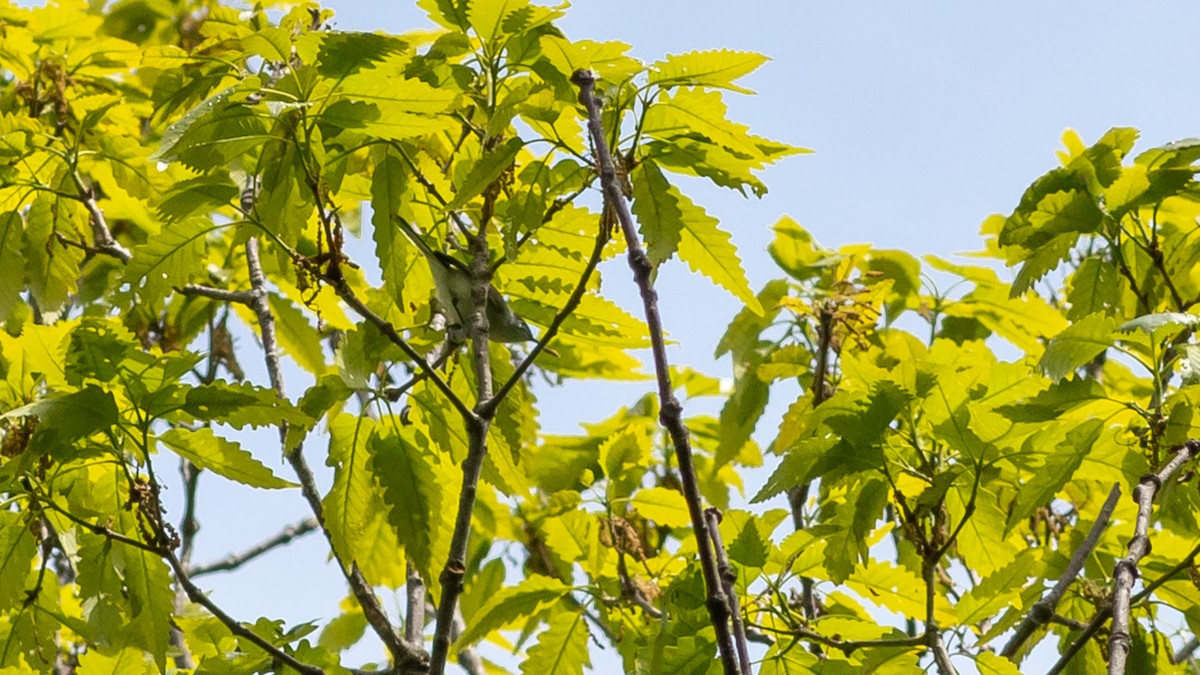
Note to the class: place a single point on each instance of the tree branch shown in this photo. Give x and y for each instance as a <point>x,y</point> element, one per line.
<point>671,414</point>
<point>1042,611</point>
<point>798,495</point>
<point>105,243</point>
<point>728,576</point>
<point>1126,571</point>
<point>236,560</point>
<point>197,290</point>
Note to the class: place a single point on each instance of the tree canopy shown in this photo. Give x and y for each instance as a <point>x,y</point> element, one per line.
<point>950,489</point>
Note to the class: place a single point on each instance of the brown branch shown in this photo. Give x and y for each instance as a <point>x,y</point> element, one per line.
<point>848,647</point>
<point>798,495</point>
<point>197,290</point>
<point>188,527</point>
<point>933,636</point>
<point>401,651</point>
<point>236,560</point>
<point>415,596</point>
<point>477,423</point>
<point>1042,611</point>
<point>1126,571</point>
<point>728,576</point>
<point>671,413</point>
<point>105,243</point>
<point>1185,652</point>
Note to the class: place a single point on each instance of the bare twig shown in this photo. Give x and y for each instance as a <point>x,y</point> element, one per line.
<point>1042,611</point>
<point>188,527</point>
<point>798,494</point>
<point>1126,570</point>
<point>728,576</point>
<point>236,560</point>
<point>197,290</point>
<point>414,592</point>
<point>671,415</point>
<point>1185,652</point>
<point>105,243</point>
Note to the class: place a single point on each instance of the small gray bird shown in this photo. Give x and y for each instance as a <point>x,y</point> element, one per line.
<point>452,283</point>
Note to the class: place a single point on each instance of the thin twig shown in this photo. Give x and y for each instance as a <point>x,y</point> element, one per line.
<point>236,560</point>
<point>671,412</point>
<point>728,576</point>
<point>1185,652</point>
<point>1126,571</point>
<point>197,290</point>
<point>105,243</point>
<point>1042,611</point>
<point>188,527</point>
<point>415,596</point>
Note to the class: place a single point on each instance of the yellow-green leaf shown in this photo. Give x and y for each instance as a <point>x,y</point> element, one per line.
<point>662,505</point>
<point>221,456</point>
<point>710,68</point>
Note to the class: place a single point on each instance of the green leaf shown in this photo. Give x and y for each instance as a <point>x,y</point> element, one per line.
<point>1159,326</point>
<point>1056,466</point>
<point>663,506</point>
<point>204,194</point>
<point>345,53</point>
<point>1077,345</point>
<point>12,276</point>
<point>65,418</point>
<point>561,649</point>
<point>240,405</point>
<point>897,589</point>
<point>173,258</point>
<point>221,456</point>
<point>356,514</point>
<point>51,268</point>
<point>151,601</point>
<point>414,491</point>
<point>126,661</point>
<point>485,172</point>
<point>17,551</point>
<point>848,525</point>
<point>487,16</point>
<point>218,131</point>
<point>657,210</point>
<point>526,599</point>
<point>712,68</point>
<point>710,251</point>
<point>97,349</point>
<point>1094,287</point>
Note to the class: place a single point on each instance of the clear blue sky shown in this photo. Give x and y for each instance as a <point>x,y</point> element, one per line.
<point>925,118</point>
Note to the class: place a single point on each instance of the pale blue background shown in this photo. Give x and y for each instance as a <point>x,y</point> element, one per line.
<point>925,118</point>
